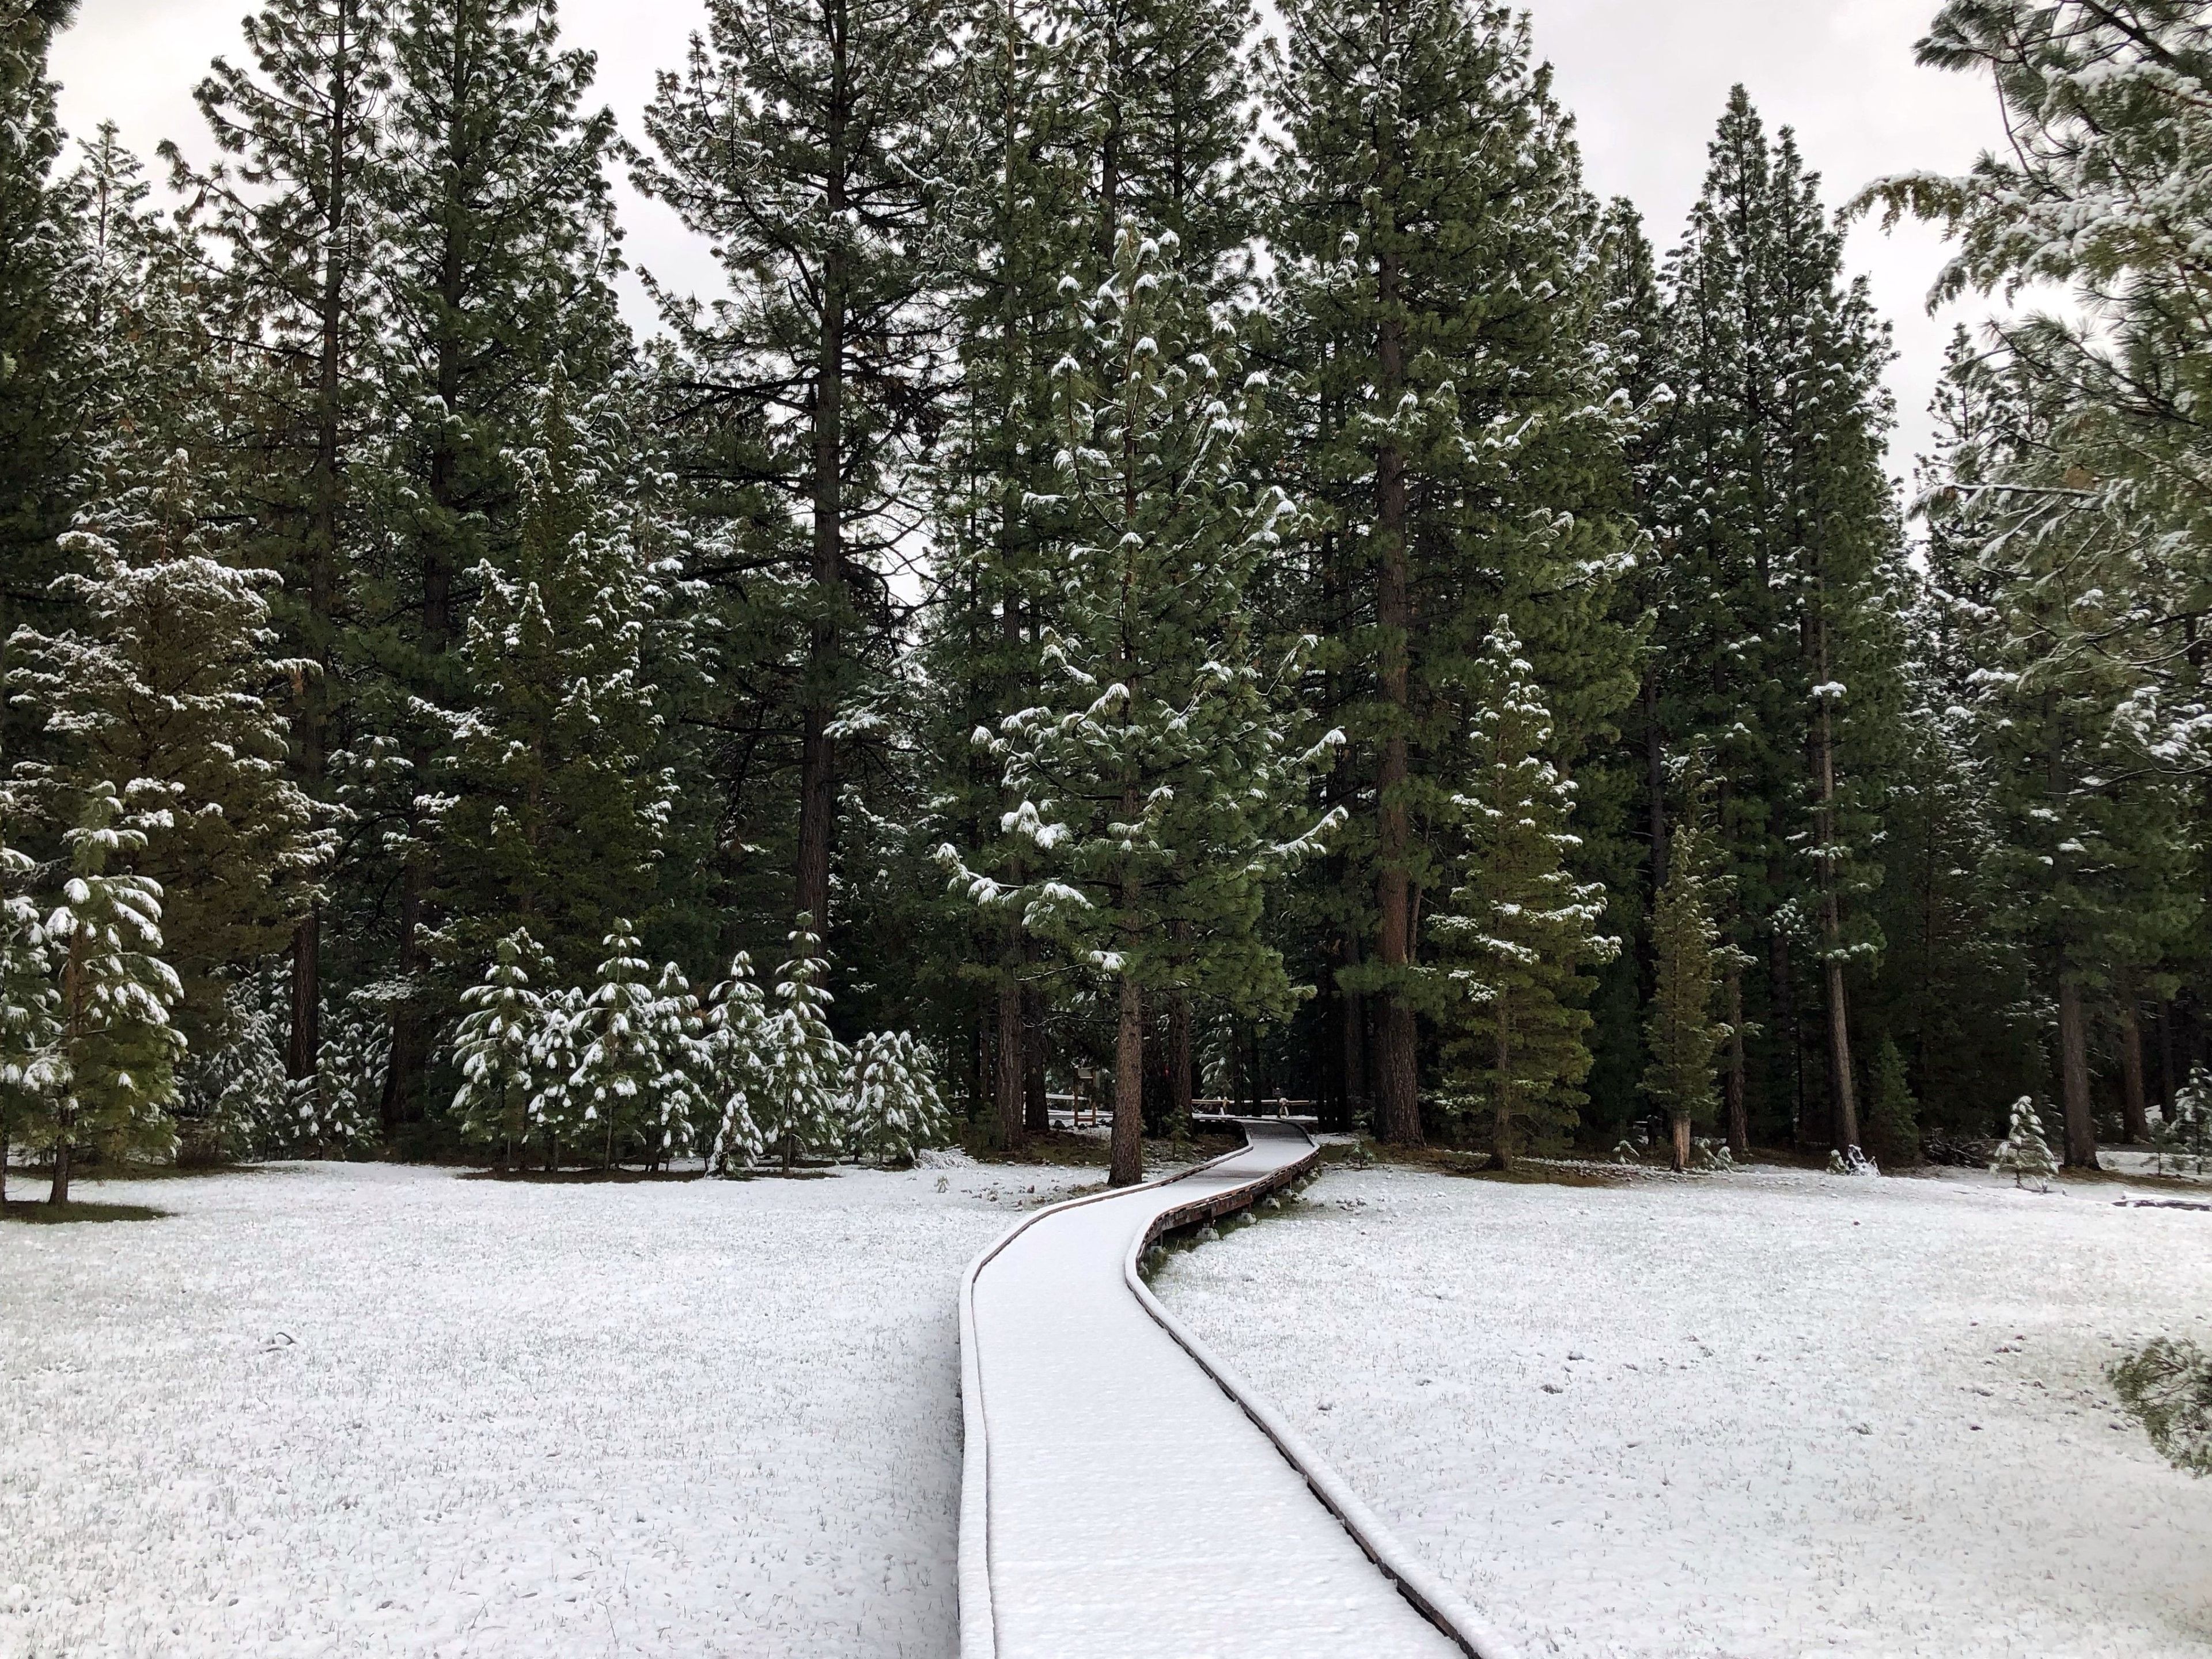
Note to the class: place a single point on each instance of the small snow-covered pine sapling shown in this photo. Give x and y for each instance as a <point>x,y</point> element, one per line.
<point>1851,1161</point>
<point>240,1091</point>
<point>679,1106</point>
<point>2024,1153</point>
<point>28,1006</point>
<point>493,1046</point>
<point>892,1105</point>
<point>554,1051</point>
<point>2167,1387</point>
<point>738,1038</point>
<point>801,1102</point>
<point>611,1087</point>
<point>339,1108</point>
<point>114,1053</point>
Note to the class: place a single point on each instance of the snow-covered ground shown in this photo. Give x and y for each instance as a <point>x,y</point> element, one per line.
<point>359,1410</point>
<point>1768,1414</point>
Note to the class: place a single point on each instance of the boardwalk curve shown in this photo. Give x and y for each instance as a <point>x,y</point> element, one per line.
<point>1126,1496</point>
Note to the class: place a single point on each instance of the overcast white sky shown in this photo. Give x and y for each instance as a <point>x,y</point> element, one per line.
<point>1645,78</point>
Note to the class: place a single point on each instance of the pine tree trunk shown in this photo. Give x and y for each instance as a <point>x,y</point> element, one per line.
<point>307,998</point>
<point>2167,1081</point>
<point>1501,1128</point>
<point>1012,1126</point>
<point>1843,1090</point>
<point>1680,1124</point>
<point>1655,782</point>
<point>325,494</point>
<point>1398,1060</point>
<point>817,759</point>
<point>1039,1109</point>
<point>1128,1136</point>
<point>1179,1060</point>
<point>1812,1131</point>
<point>58,1193</point>
<point>1739,1115</point>
<point>2134,1106</point>
<point>2074,1076</point>
<point>1354,1014</point>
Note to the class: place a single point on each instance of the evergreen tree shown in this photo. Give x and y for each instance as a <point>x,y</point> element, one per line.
<point>2024,1153</point>
<point>611,1092</point>
<point>496,247</point>
<point>494,1047</point>
<point>675,1035</point>
<point>1778,533</point>
<point>289,210</point>
<point>892,1106</point>
<point>41,414</point>
<point>738,1042</point>
<point>799,1106</point>
<point>1688,958</point>
<point>805,143</point>
<point>114,1053</point>
<point>335,1113</point>
<point>234,1100</point>
<point>555,802</point>
<point>1153,772</point>
<point>1892,1126</point>
<point>1519,928</point>
<point>166,683</point>
<point>1432,246</point>
<point>555,1056</point>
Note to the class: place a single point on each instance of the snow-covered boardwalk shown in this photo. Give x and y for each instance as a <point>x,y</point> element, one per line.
<point>1117,1503</point>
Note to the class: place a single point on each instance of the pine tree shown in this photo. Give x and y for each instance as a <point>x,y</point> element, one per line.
<point>1688,961</point>
<point>494,1047</point>
<point>2167,1386</point>
<point>675,1034</point>
<point>1519,928</point>
<point>805,143</point>
<point>1155,780</point>
<point>554,801</point>
<point>41,412</point>
<point>799,1107</point>
<point>233,1100</point>
<point>114,1053</point>
<point>738,1042</point>
<point>1433,251</point>
<point>1778,533</point>
<point>496,250</point>
<point>555,1056</point>
<point>335,1113</point>
<point>2024,1153</point>
<point>290,210</point>
<point>165,683</point>
<point>611,1090</point>
<point>1893,1125</point>
<point>892,1106</point>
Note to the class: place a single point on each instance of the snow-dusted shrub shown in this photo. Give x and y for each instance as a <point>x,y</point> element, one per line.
<point>1851,1161</point>
<point>2181,1140</point>
<point>1712,1158</point>
<point>892,1107</point>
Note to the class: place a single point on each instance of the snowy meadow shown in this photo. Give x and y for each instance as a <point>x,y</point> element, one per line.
<point>365,1410</point>
<point>1758,1415</point>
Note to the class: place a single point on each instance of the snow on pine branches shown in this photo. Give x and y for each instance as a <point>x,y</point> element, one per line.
<point>634,1065</point>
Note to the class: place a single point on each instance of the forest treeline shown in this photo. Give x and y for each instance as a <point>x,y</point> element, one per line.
<point>1198,560</point>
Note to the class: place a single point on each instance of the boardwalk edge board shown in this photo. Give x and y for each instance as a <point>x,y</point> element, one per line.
<point>1436,1601</point>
